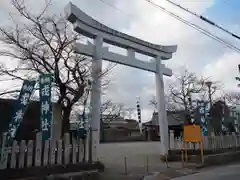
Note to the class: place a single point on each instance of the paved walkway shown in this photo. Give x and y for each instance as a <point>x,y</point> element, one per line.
<point>131,158</point>
<point>133,161</point>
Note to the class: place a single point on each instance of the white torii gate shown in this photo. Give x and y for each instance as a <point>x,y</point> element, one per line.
<point>87,26</point>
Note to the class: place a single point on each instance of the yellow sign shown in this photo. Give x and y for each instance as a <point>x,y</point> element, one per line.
<point>192,133</point>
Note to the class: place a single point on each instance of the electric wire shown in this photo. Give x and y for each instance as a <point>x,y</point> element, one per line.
<point>194,26</point>
<point>204,19</point>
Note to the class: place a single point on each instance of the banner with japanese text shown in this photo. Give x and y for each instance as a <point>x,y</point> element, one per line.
<point>201,107</point>
<point>45,82</point>
<point>19,109</point>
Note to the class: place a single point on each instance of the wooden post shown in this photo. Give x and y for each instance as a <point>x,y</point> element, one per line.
<point>52,153</point>
<point>202,157</point>
<point>13,154</point>
<point>22,154</point>
<point>186,155</point>
<point>172,140</point>
<point>221,141</point>
<point>182,157</point>
<point>125,166</point>
<point>30,153</point>
<point>46,153</point>
<point>38,150</point>
<point>66,148</point>
<point>147,164</point>
<point>90,144</point>
<point>74,151</point>
<point>166,157</point>
<point>59,152</point>
<point>81,147</point>
<point>4,153</point>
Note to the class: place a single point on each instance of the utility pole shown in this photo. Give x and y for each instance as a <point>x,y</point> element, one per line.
<point>191,114</point>
<point>209,86</point>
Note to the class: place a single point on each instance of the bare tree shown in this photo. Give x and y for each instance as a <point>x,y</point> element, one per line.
<point>110,108</point>
<point>232,97</point>
<point>181,91</point>
<point>128,113</point>
<point>43,43</point>
<point>153,102</point>
<point>170,105</point>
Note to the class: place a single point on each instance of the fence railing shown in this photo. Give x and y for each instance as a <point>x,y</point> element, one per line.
<point>209,142</point>
<point>42,153</point>
<point>62,152</point>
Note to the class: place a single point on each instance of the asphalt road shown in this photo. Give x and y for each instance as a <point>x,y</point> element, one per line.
<point>229,172</point>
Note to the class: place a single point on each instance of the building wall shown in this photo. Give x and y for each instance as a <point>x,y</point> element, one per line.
<point>121,135</point>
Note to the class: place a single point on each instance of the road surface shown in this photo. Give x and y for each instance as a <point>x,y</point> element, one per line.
<point>229,172</point>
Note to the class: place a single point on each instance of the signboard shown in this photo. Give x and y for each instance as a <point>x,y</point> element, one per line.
<point>45,81</point>
<point>20,109</point>
<point>192,133</point>
<point>201,108</point>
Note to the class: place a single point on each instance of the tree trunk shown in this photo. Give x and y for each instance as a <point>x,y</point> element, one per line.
<point>65,120</point>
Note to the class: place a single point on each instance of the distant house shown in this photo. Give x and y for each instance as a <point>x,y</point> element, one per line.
<point>175,122</point>
<point>112,121</point>
<point>115,128</point>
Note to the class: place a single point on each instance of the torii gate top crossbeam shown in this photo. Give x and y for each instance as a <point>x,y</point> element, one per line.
<point>88,50</point>
<point>89,27</point>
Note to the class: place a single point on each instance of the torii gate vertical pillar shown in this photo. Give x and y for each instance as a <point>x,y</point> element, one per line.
<point>95,100</point>
<point>161,108</point>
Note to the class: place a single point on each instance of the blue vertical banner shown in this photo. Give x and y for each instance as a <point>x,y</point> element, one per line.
<point>45,83</point>
<point>19,109</point>
<point>201,108</point>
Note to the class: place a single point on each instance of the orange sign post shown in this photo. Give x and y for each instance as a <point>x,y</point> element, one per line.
<point>192,133</point>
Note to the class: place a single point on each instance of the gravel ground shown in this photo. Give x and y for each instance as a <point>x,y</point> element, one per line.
<point>131,158</point>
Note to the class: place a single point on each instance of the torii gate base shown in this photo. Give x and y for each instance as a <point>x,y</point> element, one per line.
<point>85,25</point>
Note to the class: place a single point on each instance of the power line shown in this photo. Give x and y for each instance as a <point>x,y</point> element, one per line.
<point>204,19</point>
<point>198,28</point>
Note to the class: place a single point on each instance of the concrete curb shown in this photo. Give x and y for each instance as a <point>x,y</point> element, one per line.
<point>66,176</point>
<point>210,161</point>
<point>220,159</point>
